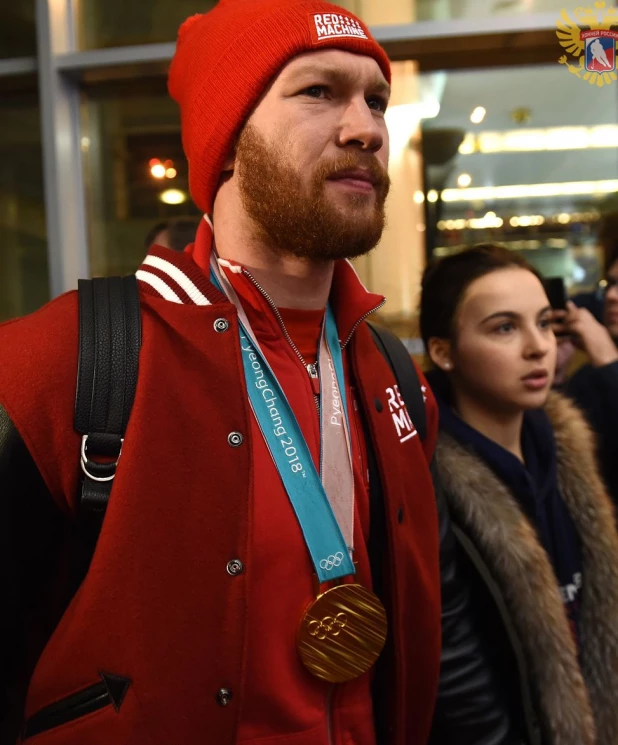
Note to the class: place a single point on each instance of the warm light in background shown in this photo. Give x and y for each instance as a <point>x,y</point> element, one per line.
<point>525,221</point>
<point>477,116</point>
<point>490,220</point>
<point>522,191</point>
<point>173,196</point>
<point>531,140</point>
<point>160,169</point>
<point>419,197</point>
<point>402,122</point>
<point>464,179</point>
<point>432,195</point>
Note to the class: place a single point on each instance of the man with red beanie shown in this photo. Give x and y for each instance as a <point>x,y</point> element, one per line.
<point>273,567</point>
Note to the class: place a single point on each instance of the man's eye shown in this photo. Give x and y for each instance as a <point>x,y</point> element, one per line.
<point>377,103</point>
<point>314,91</point>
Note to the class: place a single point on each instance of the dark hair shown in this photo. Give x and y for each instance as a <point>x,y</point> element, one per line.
<point>181,233</point>
<point>445,283</point>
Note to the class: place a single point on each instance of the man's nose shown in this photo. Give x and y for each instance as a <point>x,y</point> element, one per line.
<point>361,127</point>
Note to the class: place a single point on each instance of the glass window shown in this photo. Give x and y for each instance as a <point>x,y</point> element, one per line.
<point>524,156</point>
<point>23,256</point>
<point>408,11</point>
<point>442,10</point>
<point>17,29</point>
<point>115,23</point>
<point>136,172</point>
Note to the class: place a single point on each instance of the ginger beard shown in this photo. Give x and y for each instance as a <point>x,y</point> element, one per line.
<point>308,225</point>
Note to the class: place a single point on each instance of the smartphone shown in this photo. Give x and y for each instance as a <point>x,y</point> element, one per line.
<point>557,295</point>
<point>556,292</point>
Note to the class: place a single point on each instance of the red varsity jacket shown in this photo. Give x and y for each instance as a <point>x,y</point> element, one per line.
<point>159,606</point>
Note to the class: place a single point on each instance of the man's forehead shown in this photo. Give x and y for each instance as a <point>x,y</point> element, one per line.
<point>336,63</point>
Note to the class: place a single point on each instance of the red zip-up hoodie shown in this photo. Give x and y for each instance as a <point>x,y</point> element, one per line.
<point>208,648</point>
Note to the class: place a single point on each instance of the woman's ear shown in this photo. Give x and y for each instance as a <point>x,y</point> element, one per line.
<point>439,351</point>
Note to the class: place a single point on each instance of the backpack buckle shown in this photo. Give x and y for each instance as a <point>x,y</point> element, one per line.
<point>100,472</point>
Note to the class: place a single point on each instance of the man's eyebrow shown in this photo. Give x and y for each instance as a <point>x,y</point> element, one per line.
<point>378,85</point>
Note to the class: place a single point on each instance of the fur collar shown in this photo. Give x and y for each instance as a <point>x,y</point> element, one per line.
<point>575,702</point>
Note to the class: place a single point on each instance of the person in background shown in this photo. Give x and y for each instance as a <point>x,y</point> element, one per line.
<point>174,234</point>
<point>607,239</point>
<point>594,387</point>
<point>534,523</point>
<point>565,353</point>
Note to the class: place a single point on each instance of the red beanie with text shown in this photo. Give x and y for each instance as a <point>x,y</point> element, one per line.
<point>225,60</point>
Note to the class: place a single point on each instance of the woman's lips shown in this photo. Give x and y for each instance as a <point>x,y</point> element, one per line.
<point>537,380</point>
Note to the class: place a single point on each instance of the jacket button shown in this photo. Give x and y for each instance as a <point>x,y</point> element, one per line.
<point>235,439</point>
<point>224,696</point>
<point>221,325</point>
<point>378,404</point>
<point>235,567</point>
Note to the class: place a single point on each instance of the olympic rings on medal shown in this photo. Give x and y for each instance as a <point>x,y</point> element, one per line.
<point>332,562</point>
<point>328,626</point>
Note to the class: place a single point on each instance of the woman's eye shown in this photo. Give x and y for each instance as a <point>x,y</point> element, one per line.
<point>504,328</point>
<point>377,103</point>
<point>545,323</point>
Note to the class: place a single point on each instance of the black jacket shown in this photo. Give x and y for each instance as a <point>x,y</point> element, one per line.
<point>556,692</point>
<point>595,391</point>
<point>37,546</point>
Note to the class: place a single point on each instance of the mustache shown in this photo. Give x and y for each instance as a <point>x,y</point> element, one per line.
<point>334,166</point>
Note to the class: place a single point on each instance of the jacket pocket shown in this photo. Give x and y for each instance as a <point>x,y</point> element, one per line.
<point>111,691</point>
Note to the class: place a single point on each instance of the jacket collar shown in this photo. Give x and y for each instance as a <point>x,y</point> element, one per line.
<point>185,278</point>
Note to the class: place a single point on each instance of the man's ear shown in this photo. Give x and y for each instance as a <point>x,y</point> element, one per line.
<point>230,162</point>
<point>439,351</point>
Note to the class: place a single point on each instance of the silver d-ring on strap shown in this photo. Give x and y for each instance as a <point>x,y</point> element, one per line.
<point>84,462</point>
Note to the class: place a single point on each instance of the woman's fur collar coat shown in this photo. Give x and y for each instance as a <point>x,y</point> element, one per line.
<point>579,705</point>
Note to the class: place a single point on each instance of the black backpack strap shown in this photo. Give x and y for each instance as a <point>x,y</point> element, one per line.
<point>405,373</point>
<point>394,351</point>
<point>109,344</point>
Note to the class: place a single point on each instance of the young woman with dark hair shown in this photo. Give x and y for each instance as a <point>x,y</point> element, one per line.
<point>535,526</point>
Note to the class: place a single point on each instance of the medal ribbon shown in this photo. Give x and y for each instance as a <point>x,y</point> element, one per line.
<point>324,506</point>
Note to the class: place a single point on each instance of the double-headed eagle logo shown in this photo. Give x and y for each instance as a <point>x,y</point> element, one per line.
<point>595,45</point>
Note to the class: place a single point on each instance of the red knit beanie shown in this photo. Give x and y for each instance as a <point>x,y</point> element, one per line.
<point>225,60</point>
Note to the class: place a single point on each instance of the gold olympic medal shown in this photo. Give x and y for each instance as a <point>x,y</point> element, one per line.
<point>342,633</point>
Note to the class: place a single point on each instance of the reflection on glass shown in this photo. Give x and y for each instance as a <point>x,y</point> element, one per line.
<point>389,12</point>
<point>17,29</point>
<point>115,23</point>
<point>23,256</point>
<point>444,10</point>
<point>537,172</point>
<point>136,173</point>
